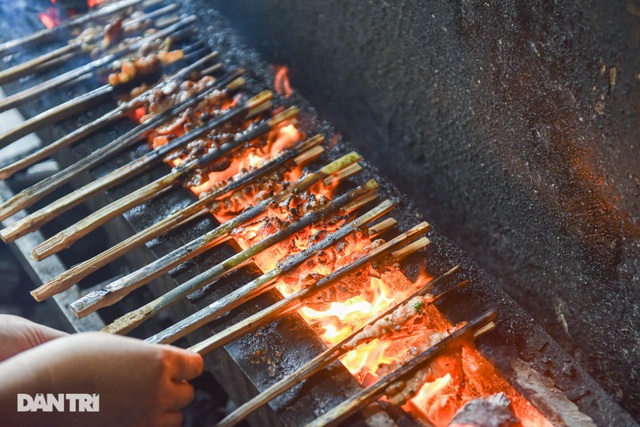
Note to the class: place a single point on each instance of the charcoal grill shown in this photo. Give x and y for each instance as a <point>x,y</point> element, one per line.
<point>532,361</point>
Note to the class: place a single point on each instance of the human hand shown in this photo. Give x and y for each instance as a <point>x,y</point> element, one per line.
<point>18,334</point>
<point>139,384</point>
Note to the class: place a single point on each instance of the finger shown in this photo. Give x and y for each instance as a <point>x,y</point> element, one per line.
<point>185,364</point>
<point>46,333</point>
<point>170,419</point>
<point>182,394</point>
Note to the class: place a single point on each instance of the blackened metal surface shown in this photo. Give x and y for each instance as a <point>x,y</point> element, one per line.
<point>514,125</point>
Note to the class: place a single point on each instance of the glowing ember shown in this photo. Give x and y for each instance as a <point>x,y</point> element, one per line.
<point>50,17</point>
<point>138,114</point>
<point>438,390</point>
<point>94,3</point>
<point>281,82</point>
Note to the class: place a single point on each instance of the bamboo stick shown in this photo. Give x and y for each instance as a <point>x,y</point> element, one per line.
<point>264,282</point>
<point>343,174</point>
<point>135,318</point>
<point>89,128</point>
<point>357,204</point>
<point>50,32</point>
<point>59,112</point>
<point>294,301</point>
<point>71,276</point>
<point>118,289</point>
<point>29,196</point>
<point>309,156</point>
<point>70,50</point>
<point>28,67</point>
<point>27,94</point>
<point>68,236</point>
<point>36,219</point>
<point>410,249</point>
<point>381,227</point>
<point>86,48</point>
<point>325,358</point>
<point>473,329</point>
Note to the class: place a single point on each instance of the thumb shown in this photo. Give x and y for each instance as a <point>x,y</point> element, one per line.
<point>185,365</point>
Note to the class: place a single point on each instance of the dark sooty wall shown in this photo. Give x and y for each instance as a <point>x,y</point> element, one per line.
<point>514,126</point>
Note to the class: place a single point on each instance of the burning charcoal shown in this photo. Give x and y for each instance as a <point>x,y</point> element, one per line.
<point>401,317</point>
<point>492,411</point>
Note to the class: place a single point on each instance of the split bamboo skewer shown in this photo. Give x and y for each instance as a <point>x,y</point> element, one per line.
<point>55,61</point>
<point>294,301</point>
<point>381,227</point>
<point>68,236</point>
<point>48,33</point>
<point>71,49</point>
<point>68,108</point>
<point>36,219</point>
<point>31,195</point>
<point>59,112</point>
<point>29,66</point>
<point>174,29</point>
<point>328,356</point>
<point>478,326</point>
<point>27,94</point>
<point>118,289</point>
<point>71,276</point>
<point>89,128</point>
<point>264,282</point>
<point>135,318</point>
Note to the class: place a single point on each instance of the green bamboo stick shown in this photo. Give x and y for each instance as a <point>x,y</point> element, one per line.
<point>327,357</point>
<point>265,282</point>
<point>474,328</point>
<point>68,236</point>
<point>294,301</point>
<point>133,319</point>
<point>71,276</point>
<point>117,290</point>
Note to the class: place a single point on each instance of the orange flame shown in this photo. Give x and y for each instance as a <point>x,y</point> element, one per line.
<point>281,82</point>
<point>94,3</point>
<point>445,385</point>
<point>50,17</point>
